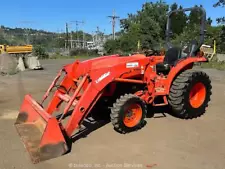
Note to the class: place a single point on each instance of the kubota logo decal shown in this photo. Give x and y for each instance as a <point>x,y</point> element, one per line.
<point>132,64</point>
<point>102,77</point>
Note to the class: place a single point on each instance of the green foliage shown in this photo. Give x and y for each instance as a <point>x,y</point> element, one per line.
<point>220,3</point>
<point>81,57</point>
<point>83,52</point>
<point>155,14</point>
<point>2,40</point>
<point>212,34</point>
<point>195,16</point>
<point>191,28</point>
<point>178,20</point>
<point>216,33</point>
<point>40,52</point>
<point>214,65</point>
<point>19,36</point>
<point>189,34</point>
<point>221,41</point>
<point>112,46</point>
<point>57,55</point>
<point>148,26</point>
<point>209,21</point>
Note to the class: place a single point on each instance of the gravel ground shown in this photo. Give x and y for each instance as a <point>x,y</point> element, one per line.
<point>164,143</point>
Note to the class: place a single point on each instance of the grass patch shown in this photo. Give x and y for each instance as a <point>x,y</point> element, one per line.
<point>71,57</point>
<point>214,64</point>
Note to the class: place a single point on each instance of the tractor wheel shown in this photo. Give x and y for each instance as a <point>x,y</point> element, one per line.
<point>128,114</point>
<point>190,94</point>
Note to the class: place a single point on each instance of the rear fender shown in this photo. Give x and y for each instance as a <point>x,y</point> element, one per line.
<point>179,68</point>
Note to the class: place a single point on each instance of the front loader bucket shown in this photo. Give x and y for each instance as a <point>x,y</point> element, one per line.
<point>40,132</point>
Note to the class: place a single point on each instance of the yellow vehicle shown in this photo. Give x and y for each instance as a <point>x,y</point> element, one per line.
<point>26,49</point>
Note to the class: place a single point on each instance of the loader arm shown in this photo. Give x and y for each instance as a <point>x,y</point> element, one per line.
<point>80,88</point>
<point>97,81</point>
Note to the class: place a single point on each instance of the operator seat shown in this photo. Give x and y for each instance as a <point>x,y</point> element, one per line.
<point>171,57</point>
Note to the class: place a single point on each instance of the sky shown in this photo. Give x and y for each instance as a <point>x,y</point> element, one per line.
<point>52,15</point>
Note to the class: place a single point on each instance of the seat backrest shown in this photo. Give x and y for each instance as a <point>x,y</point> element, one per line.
<point>172,55</point>
<point>194,47</point>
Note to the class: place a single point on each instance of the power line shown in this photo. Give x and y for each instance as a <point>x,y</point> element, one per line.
<point>77,27</point>
<point>113,17</point>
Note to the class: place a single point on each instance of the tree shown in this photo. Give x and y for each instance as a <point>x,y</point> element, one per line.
<point>3,40</point>
<point>40,52</point>
<point>191,30</point>
<point>157,13</point>
<point>213,33</point>
<point>195,16</point>
<point>111,46</point>
<point>152,23</point>
<point>222,35</point>
<point>222,40</point>
<point>128,42</point>
<point>147,26</point>
<point>178,20</point>
<point>209,21</point>
<point>220,3</point>
<point>125,24</point>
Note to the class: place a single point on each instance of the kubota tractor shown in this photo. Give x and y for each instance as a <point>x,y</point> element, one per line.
<point>127,83</point>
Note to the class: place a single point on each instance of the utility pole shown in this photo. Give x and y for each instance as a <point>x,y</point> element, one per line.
<point>93,37</point>
<point>67,36</point>
<point>68,25</point>
<point>71,39</point>
<point>113,17</point>
<point>104,36</point>
<point>84,40</point>
<point>97,35</point>
<point>77,25</point>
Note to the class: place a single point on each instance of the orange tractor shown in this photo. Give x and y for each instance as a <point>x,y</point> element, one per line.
<point>126,83</point>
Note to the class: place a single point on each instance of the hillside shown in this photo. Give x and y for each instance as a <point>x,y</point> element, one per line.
<point>19,36</point>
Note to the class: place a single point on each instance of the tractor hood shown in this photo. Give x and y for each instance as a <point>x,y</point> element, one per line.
<point>80,68</point>
<point>111,61</point>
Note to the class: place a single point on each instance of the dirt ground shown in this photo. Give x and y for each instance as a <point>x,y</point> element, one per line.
<point>164,143</point>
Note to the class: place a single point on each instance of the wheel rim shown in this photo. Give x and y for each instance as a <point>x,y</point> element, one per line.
<point>197,95</point>
<point>133,115</point>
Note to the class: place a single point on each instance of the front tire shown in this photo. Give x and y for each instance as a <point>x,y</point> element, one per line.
<point>128,113</point>
<point>190,94</point>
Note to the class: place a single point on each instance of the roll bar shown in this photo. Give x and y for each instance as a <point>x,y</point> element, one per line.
<point>203,24</point>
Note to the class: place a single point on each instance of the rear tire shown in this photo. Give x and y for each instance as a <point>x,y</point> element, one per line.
<point>128,114</point>
<point>190,94</point>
